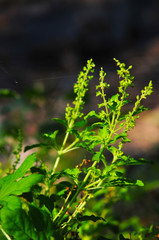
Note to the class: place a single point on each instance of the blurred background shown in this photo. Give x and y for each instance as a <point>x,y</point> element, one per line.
<point>44,45</point>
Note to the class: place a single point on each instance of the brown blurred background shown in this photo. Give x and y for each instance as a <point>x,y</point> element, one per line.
<point>43,39</point>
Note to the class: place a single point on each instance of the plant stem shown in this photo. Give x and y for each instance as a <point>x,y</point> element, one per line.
<point>105,104</point>
<point>60,153</point>
<point>75,196</point>
<point>63,206</point>
<point>92,184</point>
<point>70,147</point>
<point>82,88</point>
<point>5,234</point>
<point>77,210</point>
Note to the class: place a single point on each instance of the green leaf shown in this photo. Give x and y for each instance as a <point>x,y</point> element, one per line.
<point>121,237</point>
<point>115,98</point>
<point>96,157</point>
<point>12,202</point>
<point>81,123</point>
<point>91,114</point>
<point>16,223</point>
<point>101,105</point>
<point>91,218</point>
<point>126,101</point>
<point>98,93</point>
<point>37,218</point>
<point>24,167</point>
<point>73,173</point>
<point>122,182</point>
<point>36,224</point>
<point>57,235</point>
<point>103,132</point>
<point>127,160</point>
<point>18,187</point>
<point>86,135</point>
<point>115,151</point>
<point>70,173</point>
<point>122,136</point>
<point>113,101</point>
<point>118,174</point>
<point>9,184</point>
<point>61,121</point>
<point>74,131</point>
<point>95,172</point>
<point>51,136</point>
<point>48,202</point>
<point>97,124</point>
<point>20,172</point>
<point>25,184</point>
<point>35,146</point>
<point>85,145</point>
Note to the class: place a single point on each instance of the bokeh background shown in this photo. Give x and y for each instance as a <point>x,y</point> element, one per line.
<point>44,45</point>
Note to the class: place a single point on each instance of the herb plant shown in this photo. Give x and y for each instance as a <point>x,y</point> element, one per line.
<point>45,204</point>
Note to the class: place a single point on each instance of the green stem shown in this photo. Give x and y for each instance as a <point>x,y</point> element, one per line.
<point>87,196</point>
<point>62,147</point>
<point>75,196</point>
<point>4,233</point>
<point>63,206</point>
<point>77,210</point>
<point>65,139</point>
<point>105,104</point>
<point>70,147</point>
<point>92,184</point>
<point>60,153</point>
<point>75,112</point>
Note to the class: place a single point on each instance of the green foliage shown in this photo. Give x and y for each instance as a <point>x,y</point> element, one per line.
<point>37,203</point>
<point>18,151</point>
<point>7,93</point>
<point>15,184</point>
